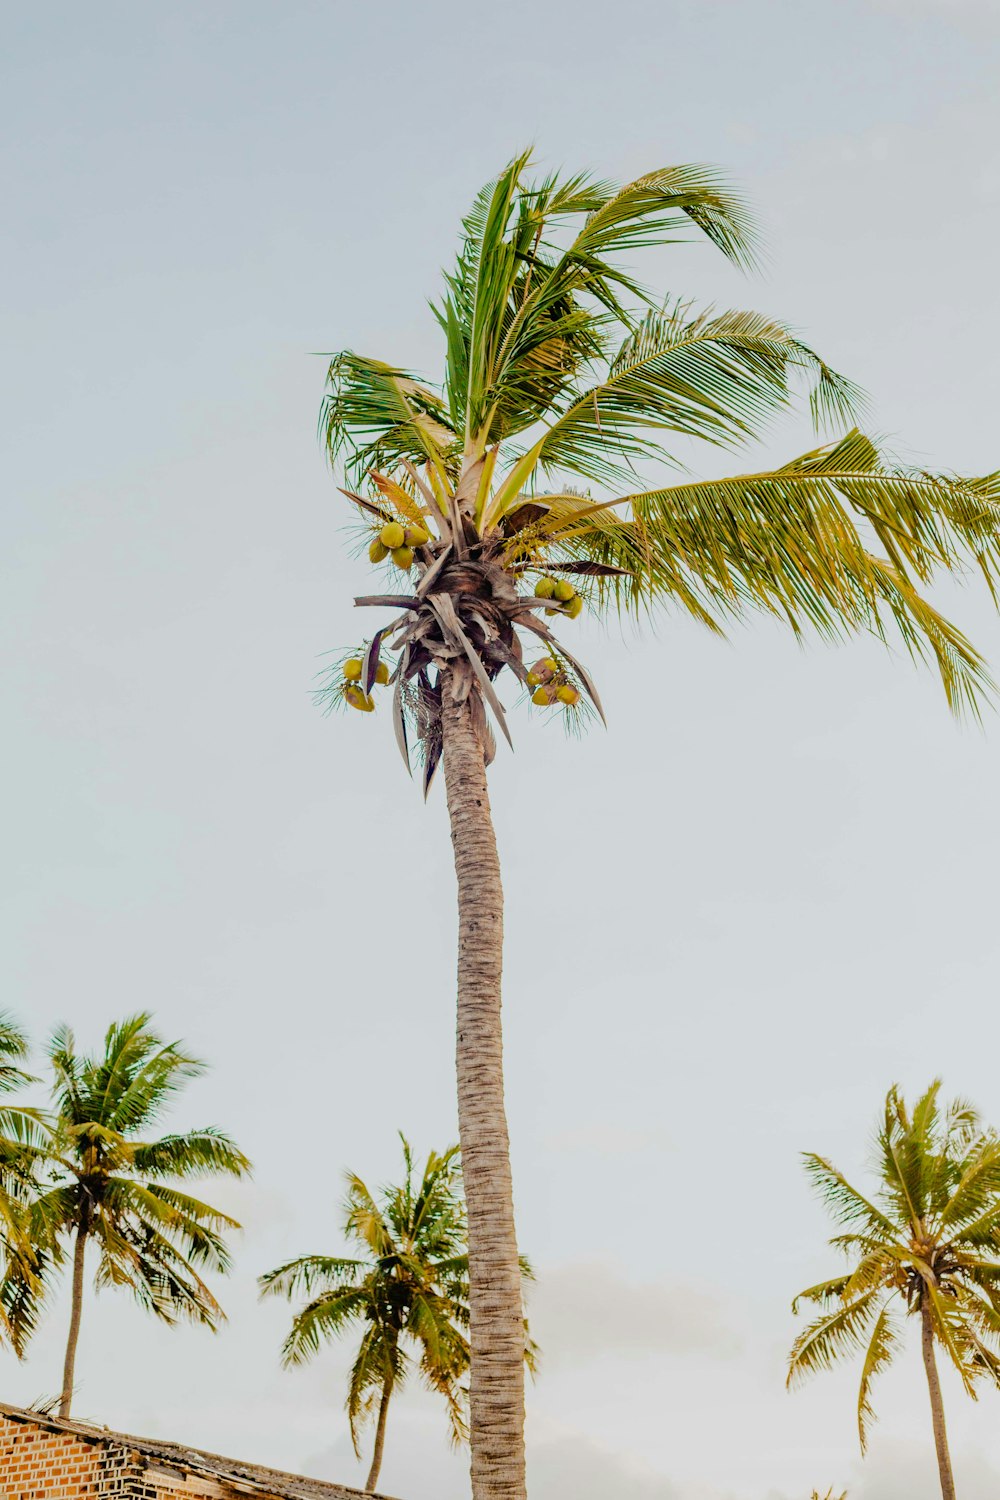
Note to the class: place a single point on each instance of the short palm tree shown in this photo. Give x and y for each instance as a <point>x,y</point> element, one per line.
<point>510,494</point>
<point>103,1180</point>
<point>20,1138</point>
<point>410,1288</point>
<point>925,1244</point>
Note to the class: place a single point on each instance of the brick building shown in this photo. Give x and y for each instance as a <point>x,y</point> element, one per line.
<point>43,1458</point>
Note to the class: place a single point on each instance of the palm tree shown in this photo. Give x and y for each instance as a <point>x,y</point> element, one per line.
<point>20,1137</point>
<point>410,1288</point>
<point>110,1185</point>
<point>512,490</point>
<point>926,1244</point>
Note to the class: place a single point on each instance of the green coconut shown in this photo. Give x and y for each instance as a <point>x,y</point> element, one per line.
<point>392,535</point>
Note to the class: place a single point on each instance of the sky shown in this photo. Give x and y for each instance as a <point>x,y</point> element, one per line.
<point>769,887</point>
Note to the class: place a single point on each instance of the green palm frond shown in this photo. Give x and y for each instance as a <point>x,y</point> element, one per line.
<point>655,208</point>
<point>379,1356</point>
<point>847,1205</point>
<point>325,1316</point>
<point>881,1347</point>
<point>13,1050</point>
<point>309,1273</point>
<point>830,1337</point>
<point>715,376</point>
<point>977,1191</point>
<point>823,1293</point>
<point>195,1153</point>
<point>378,416</point>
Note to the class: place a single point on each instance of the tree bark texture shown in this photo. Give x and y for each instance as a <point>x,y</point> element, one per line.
<point>937,1405</point>
<point>69,1365</point>
<point>497,1334</point>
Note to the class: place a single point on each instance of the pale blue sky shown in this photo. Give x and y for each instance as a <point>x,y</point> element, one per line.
<point>770,885</point>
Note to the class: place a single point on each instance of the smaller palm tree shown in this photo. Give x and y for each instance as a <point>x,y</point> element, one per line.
<point>411,1287</point>
<point>103,1182</point>
<point>926,1244</point>
<point>20,1137</point>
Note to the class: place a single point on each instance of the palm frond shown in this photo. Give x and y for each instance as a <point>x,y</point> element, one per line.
<point>846,1203</point>
<point>881,1348</point>
<point>716,376</point>
<point>378,417</point>
<point>310,1272</point>
<point>194,1153</point>
<point>830,1337</point>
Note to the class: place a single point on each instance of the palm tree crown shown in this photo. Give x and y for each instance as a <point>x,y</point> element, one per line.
<point>105,1180</point>
<point>559,364</point>
<point>926,1243</point>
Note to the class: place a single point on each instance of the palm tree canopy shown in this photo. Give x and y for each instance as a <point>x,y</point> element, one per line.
<point>562,378</point>
<point>928,1237</point>
<point>101,1172</point>
<point>410,1286</point>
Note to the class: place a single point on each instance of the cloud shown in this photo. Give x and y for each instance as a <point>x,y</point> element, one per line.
<point>562,1465</point>
<point>587,1310</point>
<point>571,1466</point>
<point>904,1471</point>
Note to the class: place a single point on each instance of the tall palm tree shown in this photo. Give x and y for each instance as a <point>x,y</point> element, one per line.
<point>512,491</point>
<point>109,1184</point>
<point>925,1244</point>
<point>410,1288</point>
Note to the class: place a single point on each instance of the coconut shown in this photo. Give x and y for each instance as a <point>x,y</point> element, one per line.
<point>564,591</point>
<point>575,606</point>
<point>378,551</point>
<point>533,679</point>
<point>541,697</point>
<point>417,536</point>
<point>567,694</point>
<point>352,669</point>
<point>358,698</point>
<point>403,558</point>
<point>392,535</point>
<point>544,670</point>
<point>382,673</point>
<point>545,588</point>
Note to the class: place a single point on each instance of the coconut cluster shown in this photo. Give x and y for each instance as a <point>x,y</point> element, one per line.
<point>561,590</point>
<point>551,684</point>
<point>398,542</point>
<point>352,688</point>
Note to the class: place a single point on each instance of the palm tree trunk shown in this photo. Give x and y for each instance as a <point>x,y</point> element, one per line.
<point>74,1323</point>
<point>383,1412</point>
<point>497,1315</point>
<point>937,1405</point>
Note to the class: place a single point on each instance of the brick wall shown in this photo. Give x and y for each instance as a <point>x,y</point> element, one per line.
<point>41,1460</point>
<point>40,1465</point>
